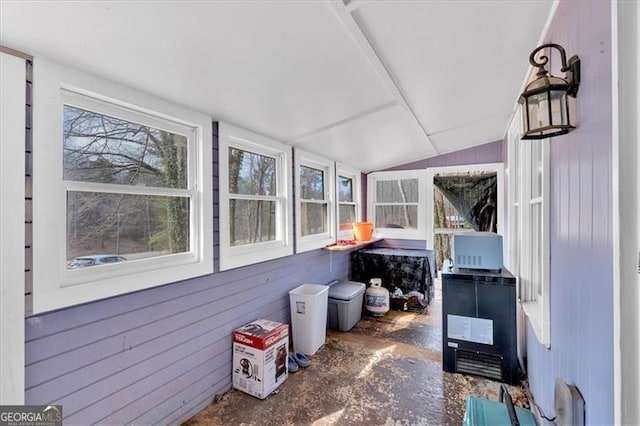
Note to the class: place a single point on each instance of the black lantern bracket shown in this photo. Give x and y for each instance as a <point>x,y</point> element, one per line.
<point>571,68</point>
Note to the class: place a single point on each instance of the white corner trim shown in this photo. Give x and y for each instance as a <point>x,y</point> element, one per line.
<point>625,41</point>
<point>12,217</point>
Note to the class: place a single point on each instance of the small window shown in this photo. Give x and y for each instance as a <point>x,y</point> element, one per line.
<point>315,190</point>
<point>122,197</point>
<point>348,189</point>
<point>255,198</point>
<point>397,203</point>
<point>313,203</point>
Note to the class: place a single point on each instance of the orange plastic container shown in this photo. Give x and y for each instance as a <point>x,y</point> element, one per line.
<point>363,231</point>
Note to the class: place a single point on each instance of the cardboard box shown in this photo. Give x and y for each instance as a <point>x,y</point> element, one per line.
<point>260,352</point>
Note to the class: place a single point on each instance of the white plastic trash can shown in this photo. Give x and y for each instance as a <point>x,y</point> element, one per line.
<point>308,317</point>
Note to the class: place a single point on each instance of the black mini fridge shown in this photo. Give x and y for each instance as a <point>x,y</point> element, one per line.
<point>479,324</point>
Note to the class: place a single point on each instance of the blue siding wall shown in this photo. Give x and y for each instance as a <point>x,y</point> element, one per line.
<point>581,280</point>
<point>160,355</point>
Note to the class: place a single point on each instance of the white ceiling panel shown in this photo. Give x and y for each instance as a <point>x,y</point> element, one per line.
<point>373,142</point>
<point>470,134</point>
<point>280,68</point>
<point>456,62</point>
<point>372,84</point>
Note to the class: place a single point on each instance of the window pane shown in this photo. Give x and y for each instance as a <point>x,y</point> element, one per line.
<point>130,226</point>
<point>311,183</point>
<point>538,110</point>
<point>536,247</point>
<point>515,170</point>
<point>536,168</point>
<point>516,237</point>
<point>313,218</point>
<point>397,191</point>
<point>99,148</point>
<point>347,214</point>
<point>345,189</point>
<point>252,221</point>
<point>397,217</point>
<point>251,174</point>
<point>558,107</point>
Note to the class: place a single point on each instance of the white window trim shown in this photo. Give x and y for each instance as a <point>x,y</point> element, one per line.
<point>247,254</point>
<point>410,234</point>
<point>513,153</point>
<point>53,286</point>
<point>356,177</point>
<point>312,242</point>
<point>535,306</point>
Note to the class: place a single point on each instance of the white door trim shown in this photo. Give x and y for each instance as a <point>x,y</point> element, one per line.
<point>625,38</point>
<point>12,188</point>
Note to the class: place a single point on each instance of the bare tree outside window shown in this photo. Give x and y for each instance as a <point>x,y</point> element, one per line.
<point>462,202</point>
<point>397,203</point>
<point>253,197</point>
<point>346,203</point>
<point>112,153</point>
<point>313,205</point>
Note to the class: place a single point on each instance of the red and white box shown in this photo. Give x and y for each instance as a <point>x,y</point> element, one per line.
<point>260,351</point>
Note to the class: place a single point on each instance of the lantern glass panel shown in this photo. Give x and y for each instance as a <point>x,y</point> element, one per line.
<point>538,110</point>
<point>559,108</point>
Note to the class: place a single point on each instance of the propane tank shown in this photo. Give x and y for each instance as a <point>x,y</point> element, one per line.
<point>377,298</point>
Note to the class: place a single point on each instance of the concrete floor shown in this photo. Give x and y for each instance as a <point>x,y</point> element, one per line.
<point>386,371</point>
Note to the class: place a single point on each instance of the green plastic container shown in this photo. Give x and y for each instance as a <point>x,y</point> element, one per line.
<point>483,412</point>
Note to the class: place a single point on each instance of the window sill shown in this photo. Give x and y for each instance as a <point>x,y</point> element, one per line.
<point>533,311</point>
<point>355,245</point>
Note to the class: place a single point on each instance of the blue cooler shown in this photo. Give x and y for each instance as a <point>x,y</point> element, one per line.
<point>344,308</point>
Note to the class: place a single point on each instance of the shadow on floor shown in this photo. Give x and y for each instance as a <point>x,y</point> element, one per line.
<point>386,371</point>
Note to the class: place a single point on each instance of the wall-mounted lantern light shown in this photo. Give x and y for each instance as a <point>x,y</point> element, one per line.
<point>545,107</point>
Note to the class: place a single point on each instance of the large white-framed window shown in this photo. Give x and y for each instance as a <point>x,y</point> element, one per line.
<point>349,198</point>
<point>396,204</point>
<point>122,193</point>
<point>529,226</point>
<point>315,206</point>
<point>255,198</point>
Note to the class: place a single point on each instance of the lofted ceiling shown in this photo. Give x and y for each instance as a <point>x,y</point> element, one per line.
<point>371,84</point>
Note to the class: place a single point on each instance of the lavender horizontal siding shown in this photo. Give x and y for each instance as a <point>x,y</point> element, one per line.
<point>581,275</point>
<point>158,355</point>
<point>481,154</point>
<point>402,244</point>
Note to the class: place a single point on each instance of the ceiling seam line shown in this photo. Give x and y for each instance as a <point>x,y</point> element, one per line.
<point>344,121</point>
<point>372,55</point>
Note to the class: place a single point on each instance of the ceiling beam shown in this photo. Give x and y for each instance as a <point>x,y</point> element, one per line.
<point>344,13</point>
